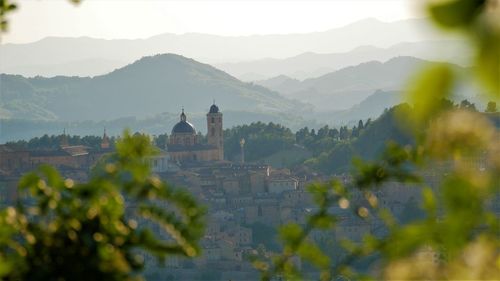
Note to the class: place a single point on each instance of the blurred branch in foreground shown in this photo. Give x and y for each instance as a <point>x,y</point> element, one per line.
<point>98,230</point>
<point>454,163</point>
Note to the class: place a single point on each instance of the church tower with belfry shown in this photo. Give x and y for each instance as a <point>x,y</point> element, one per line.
<point>214,130</point>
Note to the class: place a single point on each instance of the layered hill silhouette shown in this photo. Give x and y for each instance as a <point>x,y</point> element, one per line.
<point>72,56</point>
<point>342,89</point>
<point>370,108</point>
<point>311,64</point>
<point>151,85</point>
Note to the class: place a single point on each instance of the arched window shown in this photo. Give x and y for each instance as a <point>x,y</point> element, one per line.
<point>213,132</point>
<point>213,120</point>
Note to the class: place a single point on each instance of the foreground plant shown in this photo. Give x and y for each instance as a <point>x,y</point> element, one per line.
<point>458,234</point>
<point>100,230</point>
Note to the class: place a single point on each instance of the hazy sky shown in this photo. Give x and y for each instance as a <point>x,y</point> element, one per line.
<point>132,19</point>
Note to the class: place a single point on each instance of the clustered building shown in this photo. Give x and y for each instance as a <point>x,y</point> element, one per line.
<point>242,198</point>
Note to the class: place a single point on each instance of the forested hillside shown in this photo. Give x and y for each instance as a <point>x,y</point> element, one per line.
<point>151,85</point>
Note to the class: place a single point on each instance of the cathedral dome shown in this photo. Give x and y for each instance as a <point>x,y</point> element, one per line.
<point>183,127</point>
<point>214,109</point>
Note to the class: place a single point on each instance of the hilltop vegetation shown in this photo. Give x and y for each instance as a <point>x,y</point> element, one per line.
<point>327,150</point>
<point>151,85</point>
<point>331,149</point>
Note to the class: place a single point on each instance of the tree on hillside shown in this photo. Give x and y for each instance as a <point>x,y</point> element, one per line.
<point>261,140</point>
<point>343,133</point>
<point>355,132</point>
<point>360,125</point>
<point>334,133</point>
<point>161,141</point>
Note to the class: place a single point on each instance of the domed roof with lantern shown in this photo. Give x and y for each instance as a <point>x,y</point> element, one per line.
<point>183,126</point>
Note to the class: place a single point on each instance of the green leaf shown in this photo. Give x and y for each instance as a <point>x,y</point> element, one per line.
<point>291,233</point>
<point>426,92</point>
<point>313,253</point>
<point>487,61</point>
<point>456,13</point>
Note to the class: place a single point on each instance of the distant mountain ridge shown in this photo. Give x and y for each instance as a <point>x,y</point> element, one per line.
<point>48,56</point>
<point>151,85</point>
<point>310,64</point>
<point>371,107</point>
<point>342,89</point>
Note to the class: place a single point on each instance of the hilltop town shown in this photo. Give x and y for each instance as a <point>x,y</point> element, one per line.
<point>246,202</point>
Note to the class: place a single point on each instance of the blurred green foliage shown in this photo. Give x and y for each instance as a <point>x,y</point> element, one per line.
<point>6,7</point>
<point>99,230</point>
<point>455,234</point>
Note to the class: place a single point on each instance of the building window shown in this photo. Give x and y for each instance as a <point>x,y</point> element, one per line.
<point>213,132</point>
<point>213,120</point>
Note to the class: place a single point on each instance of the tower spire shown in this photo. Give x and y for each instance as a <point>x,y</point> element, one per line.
<point>64,138</point>
<point>183,115</point>
<point>105,140</point>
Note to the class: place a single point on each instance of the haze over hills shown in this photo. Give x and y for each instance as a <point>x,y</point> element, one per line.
<point>342,89</point>
<point>162,83</point>
<point>148,94</point>
<point>53,55</point>
<point>81,68</point>
<point>309,65</point>
<point>371,107</point>
<point>16,129</point>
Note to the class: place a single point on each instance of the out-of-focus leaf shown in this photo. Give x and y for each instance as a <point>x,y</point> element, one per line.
<point>313,253</point>
<point>455,13</point>
<point>487,62</point>
<point>459,133</point>
<point>291,234</point>
<point>426,92</point>
<point>6,6</point>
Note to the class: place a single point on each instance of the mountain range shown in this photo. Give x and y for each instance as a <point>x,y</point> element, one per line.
<point>151,85</point>
<point>309,65</point>
<point>85,56</point>
<point>342,89</point>
<point>148,95</point>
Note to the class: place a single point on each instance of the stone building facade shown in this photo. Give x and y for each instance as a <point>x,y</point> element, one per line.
<point>185,146</point>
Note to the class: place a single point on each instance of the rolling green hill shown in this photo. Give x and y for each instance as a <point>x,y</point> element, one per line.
<point>151,85</point>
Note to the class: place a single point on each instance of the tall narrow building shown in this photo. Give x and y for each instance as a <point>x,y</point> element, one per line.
<point>214,130</point>
<point>183,143</point>
<point>105,140</point>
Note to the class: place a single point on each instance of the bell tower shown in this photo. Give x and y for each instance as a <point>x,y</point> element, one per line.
<point>214,130</point>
